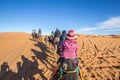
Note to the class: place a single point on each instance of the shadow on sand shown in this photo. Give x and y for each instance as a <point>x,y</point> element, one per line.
<point>43,56</point>
<point>25,70</point>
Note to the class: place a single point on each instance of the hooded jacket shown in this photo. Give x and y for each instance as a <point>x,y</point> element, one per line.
<point>69,49</point>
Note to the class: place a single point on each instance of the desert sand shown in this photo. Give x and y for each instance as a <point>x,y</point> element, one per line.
<point>21,58</point>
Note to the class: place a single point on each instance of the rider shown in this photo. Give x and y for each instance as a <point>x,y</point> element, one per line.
<point>69,48</point>
<point>57,33</point>
<point>39,30</point>
<point>52,34</point>
<point>62,38</point>
<point>39,34</point>
<point>57,38</point>
<point>34,31</point>
<point>51,37</point>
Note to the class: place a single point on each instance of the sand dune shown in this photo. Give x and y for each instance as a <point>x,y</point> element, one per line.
<point>99,55</point>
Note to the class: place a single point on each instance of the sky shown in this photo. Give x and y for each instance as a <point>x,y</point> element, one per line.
<point>97,17</point>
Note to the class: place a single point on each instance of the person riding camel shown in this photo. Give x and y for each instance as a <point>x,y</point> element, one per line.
<point>51,37</point>
<point>57,33</point>
<point>39,34</point>
<point>34,31</point>
<point>52,34</point>
<point>56,39</point>
<point>39,30</point>
<point>62,38</point>
<point>69,48</point>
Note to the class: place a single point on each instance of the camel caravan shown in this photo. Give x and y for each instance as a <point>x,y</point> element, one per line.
<point>37,36</point>
<point>66,46</point>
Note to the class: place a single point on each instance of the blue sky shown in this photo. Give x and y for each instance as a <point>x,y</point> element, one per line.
<point>83,16</point>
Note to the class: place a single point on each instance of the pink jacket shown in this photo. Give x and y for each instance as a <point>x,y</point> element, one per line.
<point>69,49</point>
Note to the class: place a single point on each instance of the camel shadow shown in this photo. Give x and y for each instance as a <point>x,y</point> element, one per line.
<point>43,56</point>
<point>25,70</point>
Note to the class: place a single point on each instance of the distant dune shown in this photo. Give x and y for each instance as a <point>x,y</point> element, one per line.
<point>99,56</point>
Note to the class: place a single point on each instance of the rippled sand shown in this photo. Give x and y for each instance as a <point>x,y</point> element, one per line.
<point>28,59</point>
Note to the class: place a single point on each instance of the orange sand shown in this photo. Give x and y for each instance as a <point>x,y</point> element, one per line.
<point>99,55</point>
